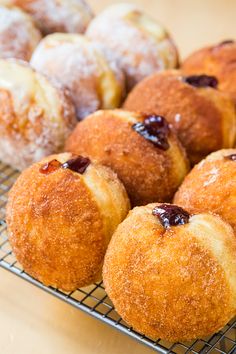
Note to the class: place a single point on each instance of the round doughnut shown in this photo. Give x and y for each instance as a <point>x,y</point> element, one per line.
<point>138,43</point>
<point>172,275</point>
<point>18,34</point>
<point>218,60</point>
<point>57,15</point>
<point>36,116</point>
<point>70,207</point>
<point>80,66</point>
<point>204,117</point>
<point>211,186</point>
<point>142,150</point>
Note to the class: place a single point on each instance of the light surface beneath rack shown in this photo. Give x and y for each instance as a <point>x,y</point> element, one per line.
<point>94,301</point>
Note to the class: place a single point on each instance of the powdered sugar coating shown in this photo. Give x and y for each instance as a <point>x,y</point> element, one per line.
<point>79,65</point>
<point>58,15</point>
<point>18,34</point>
<point>36,117</point>
<point>139,44</point>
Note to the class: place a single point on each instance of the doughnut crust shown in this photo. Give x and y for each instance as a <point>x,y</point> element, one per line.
<point>139,44</point>
<point>18,34</point>
<point>204,117</point>
<point>147,172</point>
<point>80,66</point>
<point>176,284</point>
<point>36,116</point>
<point>211,187</point>
<point>60,223</point>
<point>57,15</point>
<point>218,60</point>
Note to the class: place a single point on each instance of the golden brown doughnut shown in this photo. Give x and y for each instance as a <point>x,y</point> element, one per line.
<point>218,60</point>
<point>80,66</point>
<point>61,214</point>
<point>146,155</point>
<point>138,43</point>
<point>211,186</point>
<point>57,15</point>
<point>171,275</point>
<point>18,34</point>
<point>204,117</point>
<point>36,116</point>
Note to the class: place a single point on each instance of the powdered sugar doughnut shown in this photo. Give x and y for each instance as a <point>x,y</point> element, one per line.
<point>18,34</point>
<point>139,44</point>
<point>35,116</point>
<point>81,67</point>
<point>58,15</point>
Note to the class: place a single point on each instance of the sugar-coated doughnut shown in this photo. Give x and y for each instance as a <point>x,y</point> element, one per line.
<point>211,186</point>
<point>142,150</point>
<point>57,15</point>
<point>61,214</point>
<point>218,60</point>
<point>172,275</point>
<point>80,66</point>
<point>203,116</point>
<point>36,116</point>
<point>18,34</point>
<point>138,43</point>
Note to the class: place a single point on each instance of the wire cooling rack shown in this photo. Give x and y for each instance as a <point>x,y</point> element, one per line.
<point>94,301</point>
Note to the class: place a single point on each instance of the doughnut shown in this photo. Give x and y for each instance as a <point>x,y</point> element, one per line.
<point>218,60</point>
<point>57,15</point>
<point>138,43</point>
<point>36,116</point>
<point>172,275</point>
<point>18,34</point>
<point>211,186</point>
<point>142,150</point>
<point>70,207</point>
<point>80,66</point>
<point>204,117</point>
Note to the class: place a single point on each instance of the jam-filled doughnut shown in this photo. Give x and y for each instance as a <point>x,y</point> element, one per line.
<point>204,117</point>
<point>61,214</point>
<point>18,34</point>
<point>211,186</point>
<point>138,43</point>
<point>80,66</point>
<point>142,150</point>
<point>36,116</point>
<point>58,15</point>
<point>218,60</point>
<point>172,275</point>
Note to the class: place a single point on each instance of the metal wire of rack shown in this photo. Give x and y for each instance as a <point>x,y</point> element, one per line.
<point>94,301</point>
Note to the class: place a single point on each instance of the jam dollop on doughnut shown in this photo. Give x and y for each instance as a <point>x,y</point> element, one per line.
<point>171,215</point>
<point>50,167</point>
<point>201,81</point>
<point>227,41</point>
<point>155,129</point>
<point>78,164</point>
<point>231,157</point>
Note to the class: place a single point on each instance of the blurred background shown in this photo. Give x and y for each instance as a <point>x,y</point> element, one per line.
<point>35,322</point>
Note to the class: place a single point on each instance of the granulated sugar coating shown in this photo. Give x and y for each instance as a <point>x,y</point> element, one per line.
<point>176,284</point>
<point>211,187</point>
<point>60,223</point>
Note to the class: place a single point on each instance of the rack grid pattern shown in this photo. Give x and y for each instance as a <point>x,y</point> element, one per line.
<point>94,301</point>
